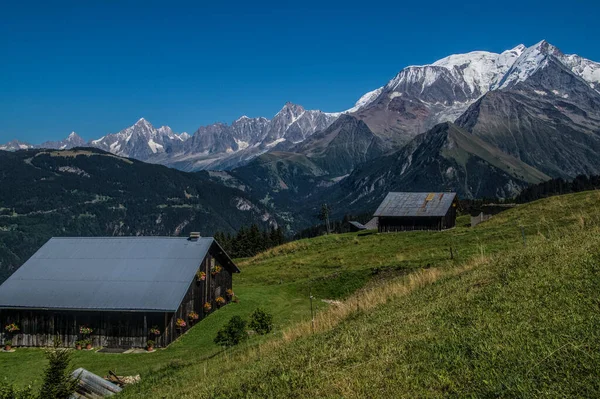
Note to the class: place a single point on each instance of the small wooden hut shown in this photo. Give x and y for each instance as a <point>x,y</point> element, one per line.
<point>417,211</point>
<point>120,287</point>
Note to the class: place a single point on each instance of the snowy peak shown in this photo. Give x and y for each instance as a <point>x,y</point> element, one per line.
<point>15,145</point>
<point>537,56</point>
<point>530,60</point>
<point>290,111</point>
<point>72,140</point>
<point>183,136</point>
<point>140,141</point>
<point>365,100</point>
<point>473,74</point>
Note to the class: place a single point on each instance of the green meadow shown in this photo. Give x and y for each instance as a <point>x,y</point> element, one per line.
<point>509,308</point>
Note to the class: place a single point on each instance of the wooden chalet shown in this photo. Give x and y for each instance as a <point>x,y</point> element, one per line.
<point>417,211</point>
<point>120,287</point>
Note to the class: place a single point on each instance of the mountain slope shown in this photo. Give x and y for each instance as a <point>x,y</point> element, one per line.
<point>283,180</point>
<point>421,96</point>
<point>345,144</point>
<point>444,158</point>
<point>545,115</point>
<point>88,192</point>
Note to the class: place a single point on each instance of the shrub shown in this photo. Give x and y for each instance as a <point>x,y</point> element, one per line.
<point>150,343</point>
<point>261,321</point>
<point>232,333</point>
<point>7,391</point>
<point>8,342</point>
<point>58,383</point>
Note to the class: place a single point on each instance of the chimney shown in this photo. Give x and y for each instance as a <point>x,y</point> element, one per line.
<point>194,236</point>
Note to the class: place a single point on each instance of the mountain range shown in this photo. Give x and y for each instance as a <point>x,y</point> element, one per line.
<point>480,123</point>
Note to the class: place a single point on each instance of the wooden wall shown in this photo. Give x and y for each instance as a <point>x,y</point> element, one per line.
<point>116,329</point>
<point>199,293</point>
<point>391,224</point>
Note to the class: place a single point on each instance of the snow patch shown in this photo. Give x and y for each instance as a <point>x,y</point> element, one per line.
<point>365,100</point>
<point>243,204</point>
<point>155,147</point>
<point>274,143</point>
<point>242,144</point>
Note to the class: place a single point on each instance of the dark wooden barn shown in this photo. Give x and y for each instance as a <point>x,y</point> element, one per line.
<point>417,211</point>
<point>120,287</point>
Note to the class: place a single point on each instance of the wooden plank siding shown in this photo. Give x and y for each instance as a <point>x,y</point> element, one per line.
<point>394,224</point>
<point>119,329</point>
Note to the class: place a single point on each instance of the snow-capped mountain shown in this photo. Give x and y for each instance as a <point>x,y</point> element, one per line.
<point>412,102</point>
<point>221,145</point>
<point>537,56</point>
<point>419,97</point>
<point>140,141</point>
<point>15,145</point>
<point>73,140</point>
<point>365,100</point>
<point>545,113</point>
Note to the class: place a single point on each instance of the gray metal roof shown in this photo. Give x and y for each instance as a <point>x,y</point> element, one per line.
<point>415,204</point>
<point>358,225</point>
<point>113,273</point>
<point>372,224</point>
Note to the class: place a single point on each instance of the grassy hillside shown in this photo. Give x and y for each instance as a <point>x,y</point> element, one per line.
<point>402,319</point>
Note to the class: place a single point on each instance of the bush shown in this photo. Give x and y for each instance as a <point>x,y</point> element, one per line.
<point>261,321</point>
<point>232,333</point>
<point>7,391</point>
<point>58,383</point>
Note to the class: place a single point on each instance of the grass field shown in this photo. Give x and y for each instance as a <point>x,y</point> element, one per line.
<point>497,320</point>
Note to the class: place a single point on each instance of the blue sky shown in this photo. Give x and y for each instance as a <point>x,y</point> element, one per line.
<point>95,67</point>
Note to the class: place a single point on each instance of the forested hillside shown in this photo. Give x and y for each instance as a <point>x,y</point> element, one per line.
<point>87,192</point>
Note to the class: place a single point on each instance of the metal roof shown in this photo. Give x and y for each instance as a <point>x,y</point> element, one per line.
<point>108,273</point>
<point>358,225</point>
<point>415,204</point>
<point>372,224</point>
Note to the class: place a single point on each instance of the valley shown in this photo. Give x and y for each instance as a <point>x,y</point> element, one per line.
<point>299,200</point>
